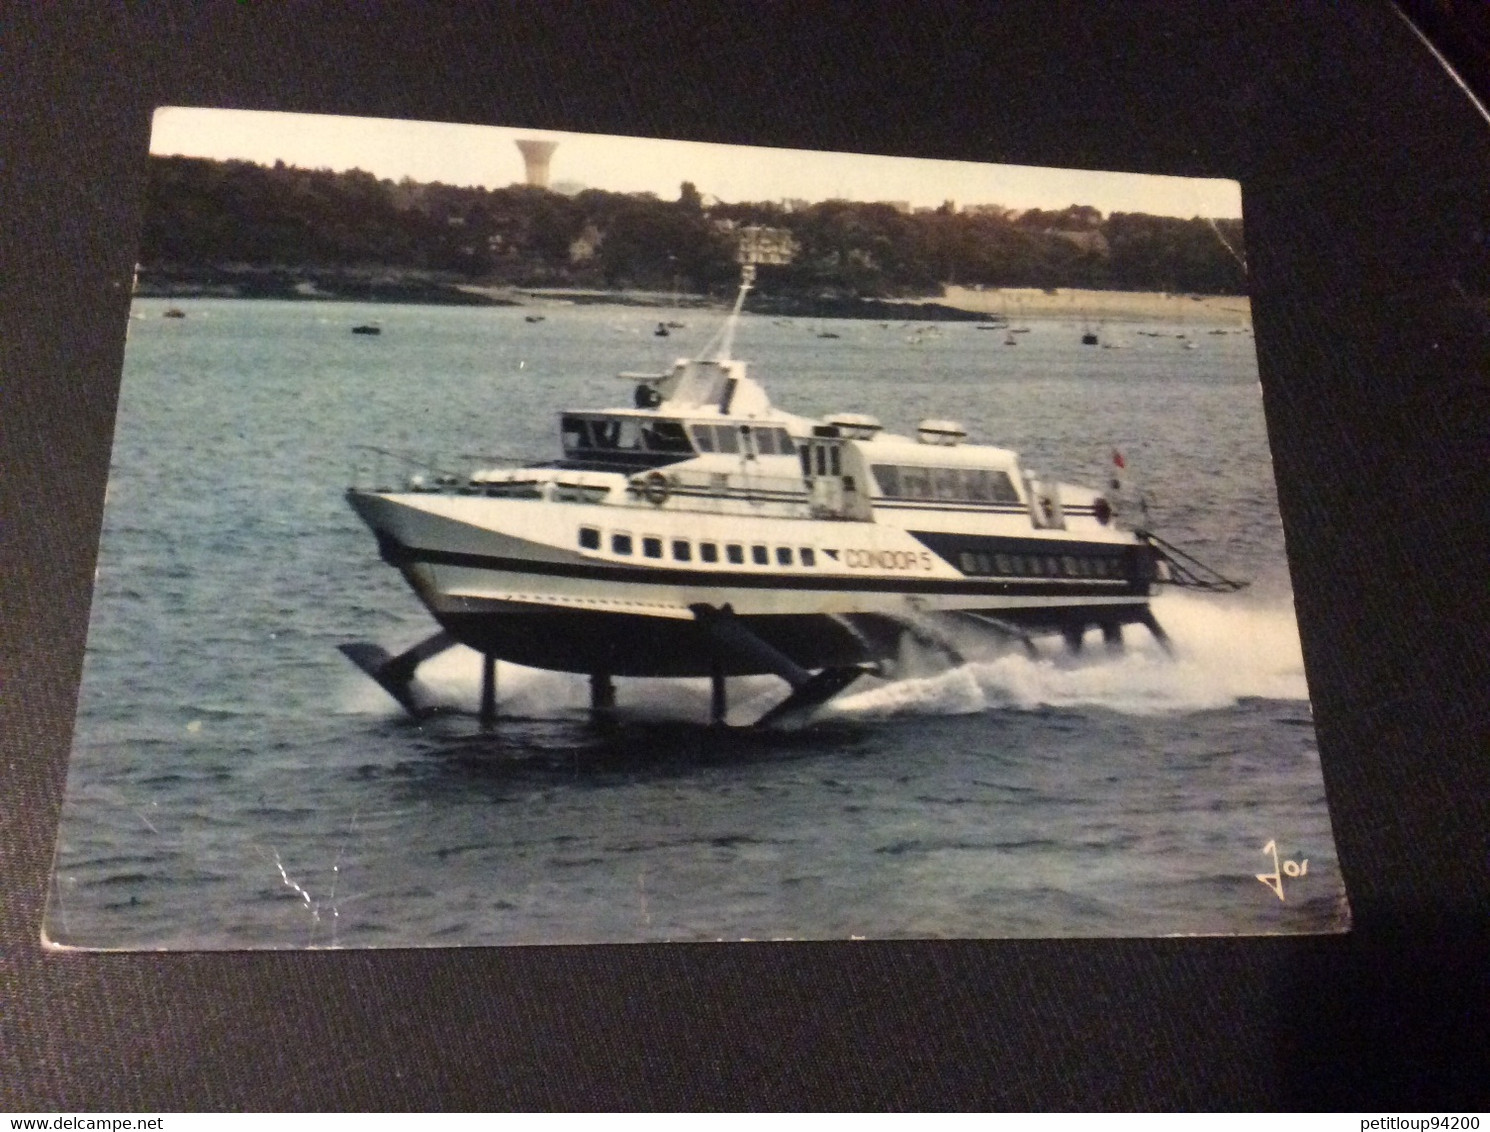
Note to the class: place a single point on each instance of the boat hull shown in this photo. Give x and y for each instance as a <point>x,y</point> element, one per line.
<point>626,644</point>
<point>523,599</point>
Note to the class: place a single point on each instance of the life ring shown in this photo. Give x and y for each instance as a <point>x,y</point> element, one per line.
<point>656,489</point>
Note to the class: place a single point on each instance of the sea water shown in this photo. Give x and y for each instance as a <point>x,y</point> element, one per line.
<point>236,783</point>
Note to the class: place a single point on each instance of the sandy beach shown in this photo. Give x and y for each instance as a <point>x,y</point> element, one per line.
<point>1098,306</point>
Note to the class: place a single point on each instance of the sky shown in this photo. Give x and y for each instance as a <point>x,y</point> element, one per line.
<point>485,156</point>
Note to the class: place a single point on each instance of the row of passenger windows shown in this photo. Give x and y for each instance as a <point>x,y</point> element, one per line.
<point>769,440</point>
<point>684,550</point>
<point>1039,565</point>
<point>956,485</point>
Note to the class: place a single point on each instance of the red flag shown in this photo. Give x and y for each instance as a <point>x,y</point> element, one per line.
<point>1117,458</point>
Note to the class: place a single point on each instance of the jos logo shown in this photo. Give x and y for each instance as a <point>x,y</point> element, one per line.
<point>1291,869</point>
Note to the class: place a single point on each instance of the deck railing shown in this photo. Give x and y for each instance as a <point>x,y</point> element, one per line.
<point>716,493</point>
<point>385,469</point>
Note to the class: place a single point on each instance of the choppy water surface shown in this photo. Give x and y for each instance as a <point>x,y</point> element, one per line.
<point>236,783</point>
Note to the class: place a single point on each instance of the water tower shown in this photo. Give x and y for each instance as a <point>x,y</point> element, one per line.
<point>536,155</point>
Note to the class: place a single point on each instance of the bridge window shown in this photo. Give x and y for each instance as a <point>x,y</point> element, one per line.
<point>620,544</point>
<point>773,442</point>
<point>589,538</point>
<point>665,436</point>
<point>575,432</point>
<point>708,551</point>
<point>615,433</point>
<point>682,550</point>
<point>808,555</point>
<point>727,438</point>
<point>784,555</point>
<point>652,547</point>
<point>759,556</point>
<point>703,436</point>
<point>735,553</point>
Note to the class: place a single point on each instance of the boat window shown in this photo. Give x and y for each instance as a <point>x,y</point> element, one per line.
<point>589,538</point>
<point>735,553</point>
<point>806,454</point>
<point>947,483</point>
<point>652,547</point>
<point>985,564</point>
<point>915,483</point>
<point>784,555</point>
<point>1002,488</point>
<point>665,436</point>
<point>703,436</point>
<point>760,556</point>
<point>620,544</point>
<point>1053,567</point>
<point>682,550</point>
<point>575,432</point>
<point>727,437</point>
<point>1002,562</point>
<point>708,551</point>
<point>604,434</point>
<point>835,458</point>
<point>820,459</point>
<point>615,432</point>
<point>963,485</point>
<point>808,555</point>
<point>967,562</point>
<point>1068,564</point>
<point>784,443</point>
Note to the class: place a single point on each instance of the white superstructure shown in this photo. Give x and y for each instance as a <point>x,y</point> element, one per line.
<point>702,531</point>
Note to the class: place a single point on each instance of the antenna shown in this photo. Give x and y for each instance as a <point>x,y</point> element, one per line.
<point>753,245</point>
<point>727,335</point>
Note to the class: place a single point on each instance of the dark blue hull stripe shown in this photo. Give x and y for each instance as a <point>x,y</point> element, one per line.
<point>402,556</point>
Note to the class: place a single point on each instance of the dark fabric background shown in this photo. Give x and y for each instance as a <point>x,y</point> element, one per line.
<point>1368,222</point>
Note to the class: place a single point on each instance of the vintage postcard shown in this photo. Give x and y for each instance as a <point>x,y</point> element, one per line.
<point>524,537</point>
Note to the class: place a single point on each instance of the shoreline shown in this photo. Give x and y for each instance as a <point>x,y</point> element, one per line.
<point>961,304</point>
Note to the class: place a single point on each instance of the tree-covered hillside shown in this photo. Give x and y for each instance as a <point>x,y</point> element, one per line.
<point>210,217</point>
